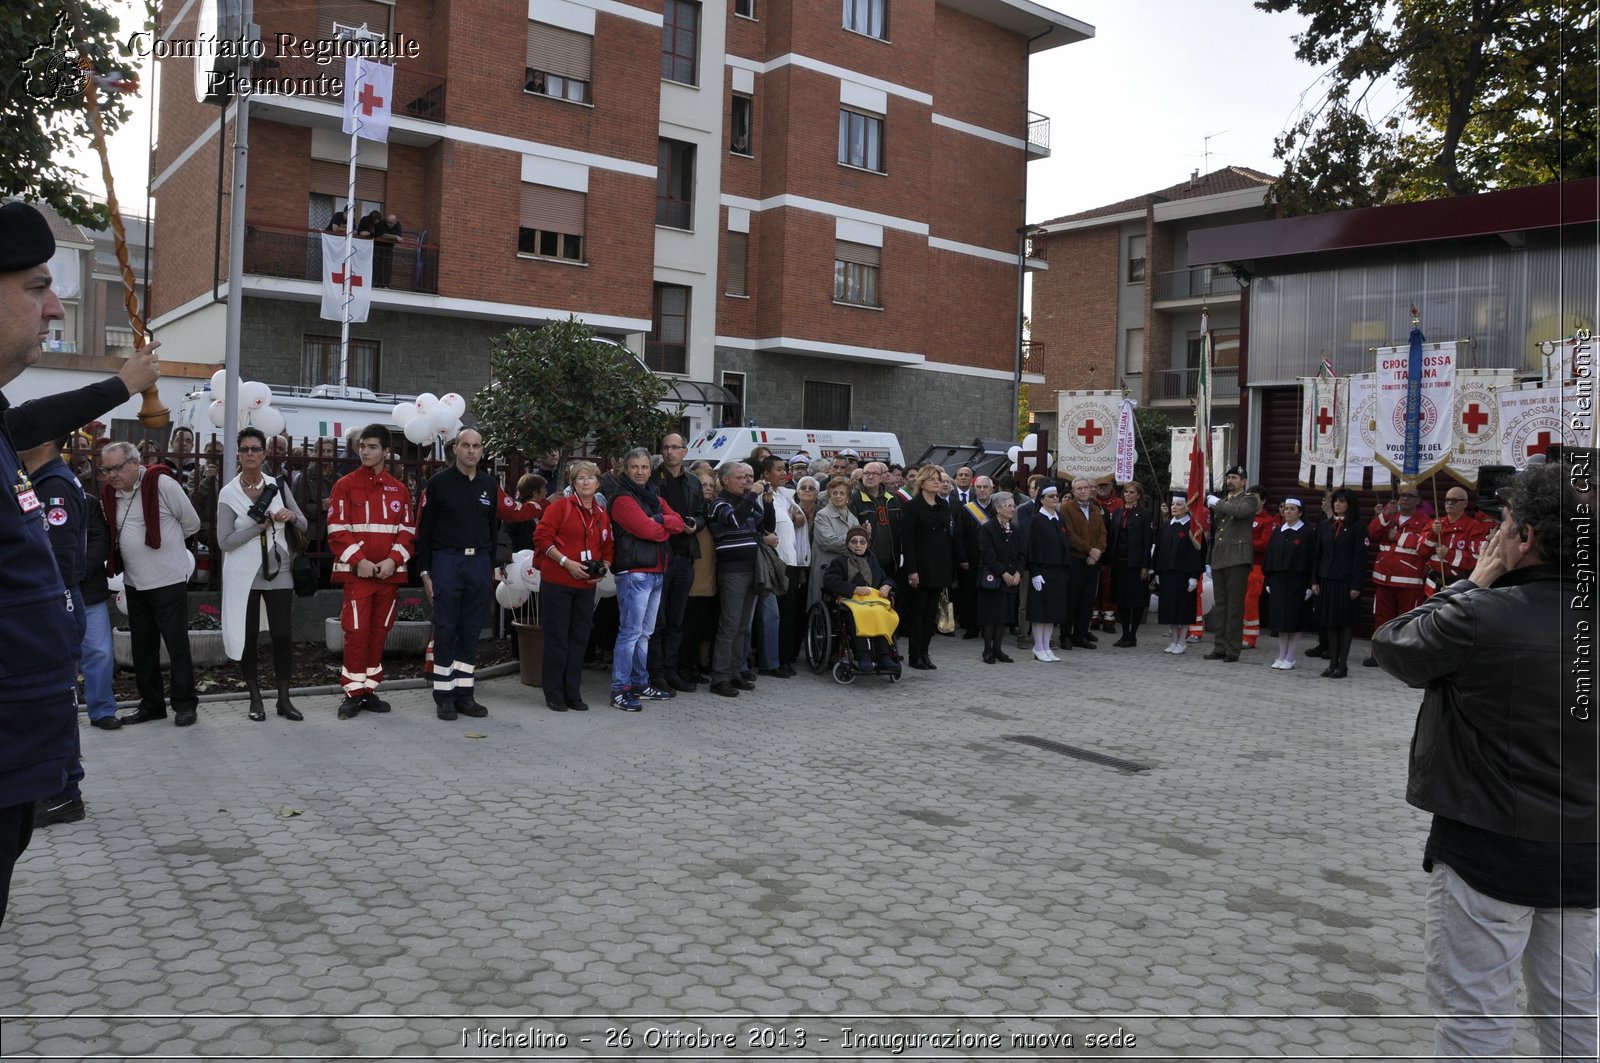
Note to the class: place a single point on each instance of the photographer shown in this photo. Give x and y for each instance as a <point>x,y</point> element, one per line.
<point>574,547</point>
<point>679,489</point>
<point>1504,757</point>
<point>254,517</point>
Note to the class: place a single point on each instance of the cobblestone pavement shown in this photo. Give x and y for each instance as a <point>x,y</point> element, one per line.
<point>812,862</point>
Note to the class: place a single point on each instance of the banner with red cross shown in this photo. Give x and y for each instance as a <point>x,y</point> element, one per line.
<point>1087,433</point>
<point>368,86</point>
<point>1430,419</point>
<point>1323,426</point>
<point>334,270</point>
<point>1532,418</point>
<point>1477,421</point>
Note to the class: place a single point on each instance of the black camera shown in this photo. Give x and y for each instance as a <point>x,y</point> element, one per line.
<point>594,568</point>
<point>263,506</point>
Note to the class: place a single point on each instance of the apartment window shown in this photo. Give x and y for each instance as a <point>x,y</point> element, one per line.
<point>675,184</point>
<point>826,405</point>
<point>666,348</point>
<point>870,17</point>
<point>1224,349</point>
<point>1133,352</point>
<point>551,223</point>
<point>860,140</point>
<point>744,8</point>
<point>330,183</point>
<point>560,63</point>
<point>741,140</point>
<point>736,275</point>
<point>680,41</point>
<point>345,19</point>
<point>319,362</point>
<point>733,384</point>
<point>1135,260</point>
<point>855,274</point>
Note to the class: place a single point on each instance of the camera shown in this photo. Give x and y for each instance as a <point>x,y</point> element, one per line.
<point>594,568</point>
<point>263,506</point>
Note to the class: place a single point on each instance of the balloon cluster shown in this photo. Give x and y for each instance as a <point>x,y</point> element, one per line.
<point>254,401</point>
<point>1029,446</point>
<point>521,580</point>
<point>431,418</point>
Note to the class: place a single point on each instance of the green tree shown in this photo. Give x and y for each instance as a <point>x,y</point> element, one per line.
<point>42,112</point>
<point>1494,94</point>
<point>1154,440</point>
<point>559,388</point>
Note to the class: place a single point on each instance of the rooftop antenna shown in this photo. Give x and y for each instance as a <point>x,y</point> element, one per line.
<point>1208,137</point>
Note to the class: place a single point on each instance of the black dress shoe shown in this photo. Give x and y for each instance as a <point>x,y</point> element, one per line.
<point>555,706</point>
<point>183,718</point>
<point>444,712</point>
<point>1327,673</point>
<point>775,673</point>
<point>1215,655</point>
<point>1370,662</point>
<point>257,711</point>
<point>1003,659</point>
<point>287,710</point>
<point>741,683</point>
<point>52,810</point>
<point>370,702</point>
<point>918,665</point>
<point>350,707</point>
<point>748,677</point>
<point>106,723</point>
<point>578,705</point>
<point>787,671</point>
<point>682,685</point>
<point>1317,651</point>
<point>727,690</point>
<point>1084,644</point>
<point>1232,658</point>
<point>1123,643</point>
<point>1091,637</point>
<point>471,708</point>
<point>141,716</point>
<point>988,658</point>
<point>929,666</point>
<point>1341,672</point>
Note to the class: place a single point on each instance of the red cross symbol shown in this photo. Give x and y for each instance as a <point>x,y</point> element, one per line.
<point>368,100</point>
<point>1324,421</point>
<point>1540,444</point>
<point>1474,418</point>
<point>1090,432</point>
<point>338,280</point>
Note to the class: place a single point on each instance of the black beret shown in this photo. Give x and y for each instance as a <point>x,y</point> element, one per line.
<point>1238,470</point>
<point>25,238</point>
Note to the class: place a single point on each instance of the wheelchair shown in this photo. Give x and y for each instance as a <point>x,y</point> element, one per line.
<point>829,629</point>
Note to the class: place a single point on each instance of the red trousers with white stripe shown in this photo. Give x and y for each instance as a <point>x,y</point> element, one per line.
<point>1390,600</point>
<point>367,617</point>
<point>1252,605</point>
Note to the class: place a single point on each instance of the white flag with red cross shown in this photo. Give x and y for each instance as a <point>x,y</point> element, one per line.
<point>368,86</point>
<point>1323,423</point>
<point>1087,433</point>
<point>334,269</point>
<point>1477,421</point>
<point>1532,417</point>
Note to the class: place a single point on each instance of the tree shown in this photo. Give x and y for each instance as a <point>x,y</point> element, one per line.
<point>42,114</point>
<point>1494,94</point>
<point>558,388</point>
<point>1154,439</point>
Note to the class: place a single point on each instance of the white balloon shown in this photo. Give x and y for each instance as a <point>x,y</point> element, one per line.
<point>418,430</point>
<point>403,412</point>
<point>253,395</point>
<point>218,412</point>
<point>457,404</point>
<point>219,383</point>
<point>268,419</point>
<point>449,433</point>
<point>114,584</point>
<point>122,602</point>
<point>1207,595</point>
<point>190,555</point>
<point>1030,441</point>
<point>533,578</point>
<point>522,559</point>
<point>510,597</point>
<point>442,417</point>
<point>514,578</point>
<point>426,402</point>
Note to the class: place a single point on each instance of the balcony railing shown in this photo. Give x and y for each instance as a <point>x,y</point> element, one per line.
<point>1198,283</point>
<point>1180,384</point>
<point>417,93</point>
<point>297,255</point>
<point>1038,135</point>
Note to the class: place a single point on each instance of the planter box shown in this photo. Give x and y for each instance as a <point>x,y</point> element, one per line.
<point>408,637</point>
<point>530,652</point>
<point>205,647</point>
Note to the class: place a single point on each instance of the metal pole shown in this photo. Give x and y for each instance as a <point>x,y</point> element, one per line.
<point>235,318</point>
<point>345,272</point>
<point>1016,380</point>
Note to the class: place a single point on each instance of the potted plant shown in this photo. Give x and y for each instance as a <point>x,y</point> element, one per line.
<point>559,388</point>
<point>205,640</point>
<point>413,628</point>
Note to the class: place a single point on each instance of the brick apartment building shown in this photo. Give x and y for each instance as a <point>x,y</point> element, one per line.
<point>807,218</point>
<point>1119,308</point>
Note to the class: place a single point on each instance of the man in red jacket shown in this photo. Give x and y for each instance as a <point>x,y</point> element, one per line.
<point>1457,539</point>
<point>1403,536</point>
<point>370,534</point>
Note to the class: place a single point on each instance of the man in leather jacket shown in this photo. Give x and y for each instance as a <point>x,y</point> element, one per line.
<point>1504,757</point>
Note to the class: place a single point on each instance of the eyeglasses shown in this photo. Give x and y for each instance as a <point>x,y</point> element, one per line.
<point>252,450</point>
<point>109,470</point>
<point>1455,501</point>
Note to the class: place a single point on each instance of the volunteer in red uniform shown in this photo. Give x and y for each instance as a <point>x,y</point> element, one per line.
<point>1404,537</point>
<point>1457,539</point>
<point>1261,528</point>
<point>371,531</point>
<point>1105,614</point>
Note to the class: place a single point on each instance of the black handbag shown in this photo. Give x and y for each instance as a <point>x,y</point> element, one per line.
<point>988,581</point>
<point>304,572</point>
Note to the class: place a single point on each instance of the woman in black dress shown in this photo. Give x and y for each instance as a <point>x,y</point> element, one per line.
<point>1180,561</point>
<point>999,575</point>
<point>1048,557</point>
<point>1288,571</point>
<point>929,562</point>
<point>1128,549</point>
<point>1339,559</point>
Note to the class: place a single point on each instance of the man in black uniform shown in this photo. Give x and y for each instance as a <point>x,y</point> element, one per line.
<point>682,492</point>
<point>455,554</point>
<point>37,631</point>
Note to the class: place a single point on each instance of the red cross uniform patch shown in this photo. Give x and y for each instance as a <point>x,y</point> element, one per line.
<point>394,507</point>
<point>55,513</point>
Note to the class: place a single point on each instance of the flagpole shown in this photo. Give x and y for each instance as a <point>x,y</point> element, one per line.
<point>349,249</point>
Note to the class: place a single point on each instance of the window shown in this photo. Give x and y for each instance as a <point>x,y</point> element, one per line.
<point>551,223</point>
<point>680,41</point>
<point>344,19</point>
<point>733,383</point>
<point>736,282</point>
<point>860,140</point>
<point>1224,348</point>
<point>1135,260</point>
<point>741,140</point>
<point>744,8</point>
<point>559,63</point>
<point>319,363</point>
<point>870,17</point>
<point>675,184</point>
<point>330,183</point>
<point>827,405</point>
<point>666,347</point>
<point>855,273</point>
<point>1133,352</point>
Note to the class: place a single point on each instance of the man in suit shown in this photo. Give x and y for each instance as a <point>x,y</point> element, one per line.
<point>1086,538</point>
<point>969,516</point>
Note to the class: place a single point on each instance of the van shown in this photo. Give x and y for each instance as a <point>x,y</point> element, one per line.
<point>718,445</point>
<point>314,413</point>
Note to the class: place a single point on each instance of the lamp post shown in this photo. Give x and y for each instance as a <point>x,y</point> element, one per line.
<point>1022,271</point>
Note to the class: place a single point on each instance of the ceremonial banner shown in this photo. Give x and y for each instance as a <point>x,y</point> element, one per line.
<point>1323,424</point>
<point>1183,444</point>
<point>1532,418</point>
<point>1087,430</point>
<point>333,278</point>
<point>1477,421</point>
<point>1127,450</point>
<point>1361,433</point>
<point>368,86</point>
<point>1416,406</point>
<point>1565,360</point>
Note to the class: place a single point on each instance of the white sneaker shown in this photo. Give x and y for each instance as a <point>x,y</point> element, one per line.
<point>1179,648</point>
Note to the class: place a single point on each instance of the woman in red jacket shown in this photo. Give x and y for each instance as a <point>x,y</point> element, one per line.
<point>574,547</point>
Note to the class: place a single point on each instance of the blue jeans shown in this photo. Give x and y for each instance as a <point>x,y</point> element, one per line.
<point>638,602</point>
<point>98,666</point>
<point>767,651</point>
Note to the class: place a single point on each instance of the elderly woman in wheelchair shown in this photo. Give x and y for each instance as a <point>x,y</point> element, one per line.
<point>864,593</point>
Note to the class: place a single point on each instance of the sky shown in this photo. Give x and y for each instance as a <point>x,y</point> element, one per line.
<point>1130,109</point>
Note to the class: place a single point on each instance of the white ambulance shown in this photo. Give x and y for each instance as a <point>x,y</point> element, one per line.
<point>316,413</point>
<point>718,445</point>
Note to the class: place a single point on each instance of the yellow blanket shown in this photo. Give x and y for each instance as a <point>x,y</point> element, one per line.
<point>873,615</point>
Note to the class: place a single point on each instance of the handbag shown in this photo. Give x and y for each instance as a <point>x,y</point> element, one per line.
<point>305,576</point>
<point>988,581</point>
<point>947,614</point>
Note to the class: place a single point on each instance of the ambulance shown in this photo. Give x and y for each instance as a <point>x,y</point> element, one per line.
<point>308,413</point>
<point>718,445</point>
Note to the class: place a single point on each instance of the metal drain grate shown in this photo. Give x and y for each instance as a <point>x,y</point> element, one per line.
<point>1078,754</point>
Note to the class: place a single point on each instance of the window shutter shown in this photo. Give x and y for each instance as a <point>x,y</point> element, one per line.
<point>370,13</point>
<point>860,254</point>
<point>333,179</point>
<point>552,210</point>
<point>738,260</point>
<point>561,52</point>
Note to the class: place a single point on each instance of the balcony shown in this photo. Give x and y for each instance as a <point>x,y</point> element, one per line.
<point>296,254</point>
<point>1184,287</point>
<point>1038,136</point>
<point>417,93</point>
<point>1175,387</point>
